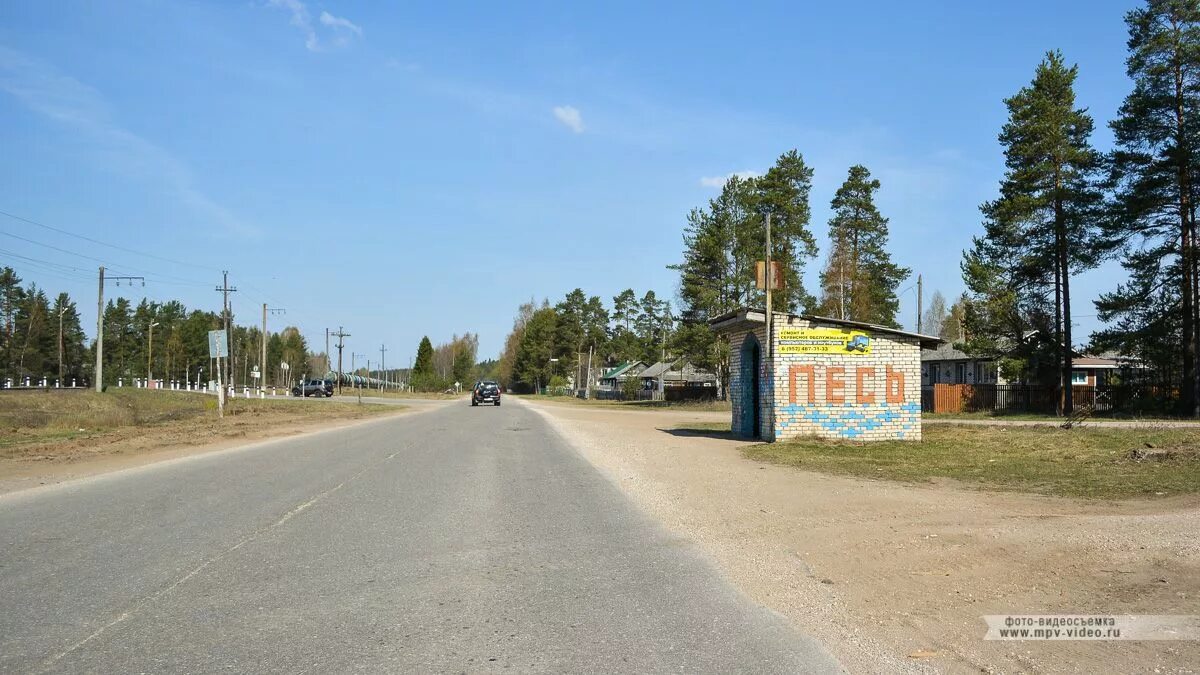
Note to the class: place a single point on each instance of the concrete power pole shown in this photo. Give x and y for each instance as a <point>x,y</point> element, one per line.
<point>383,366</point>
<point>919,308</point>
<point>99,374</point>
<point>61,308</point>
<point>327,363</point>
<point>225,290</point>
<point>262,377</point>
<point>100,324</point>
<point>340,335</point>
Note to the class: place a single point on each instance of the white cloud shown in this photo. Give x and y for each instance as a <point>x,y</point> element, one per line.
<point>342,30</point>
<point>719,181</point>
<point>45,90</point>
<point>570,117</point>
<point>338,23</point>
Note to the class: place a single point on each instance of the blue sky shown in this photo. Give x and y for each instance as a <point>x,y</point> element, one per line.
<point>410,170</point>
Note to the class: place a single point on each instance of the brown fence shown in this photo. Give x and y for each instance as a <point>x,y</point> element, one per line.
<point>1029,398</point>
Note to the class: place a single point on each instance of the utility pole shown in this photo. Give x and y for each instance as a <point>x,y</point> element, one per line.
<point>327,363</point>
<point>357,388</point>
<point>383,365</point>
<point>61,308</point>
<point>588,386</point>
<point>150,352</point>
<point>225,289</point>
<point>262,377</point>
<point>341,335</point>
<point>100,325</point>
<point>919,303</point>
<point>770,282</point>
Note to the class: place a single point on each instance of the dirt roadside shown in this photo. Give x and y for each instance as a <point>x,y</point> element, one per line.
<point>114,450</point>
<point>894,576</point>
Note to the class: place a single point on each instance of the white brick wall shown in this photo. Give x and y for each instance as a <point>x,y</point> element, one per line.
<point>886,406</point>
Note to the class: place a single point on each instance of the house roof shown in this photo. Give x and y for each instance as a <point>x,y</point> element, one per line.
<point>745,317</point>
<point>656,369</point>
<point>620,369</point>
<point>947,352</point>
<point>1094,362</point>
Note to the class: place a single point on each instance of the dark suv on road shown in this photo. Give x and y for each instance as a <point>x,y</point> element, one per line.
<point>314,388</point>
<point>485,392</point>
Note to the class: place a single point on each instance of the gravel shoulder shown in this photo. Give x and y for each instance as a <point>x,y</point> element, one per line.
<point>894,576</point>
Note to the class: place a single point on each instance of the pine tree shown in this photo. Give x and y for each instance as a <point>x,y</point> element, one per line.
<point>860,280</point>
<point>532,365</point>
<point>1042,227</point>
<point>721,245</point>
<point>782,192</point>
<point>1156,170</point>
<point>11,295</point>
<point>422,370</point>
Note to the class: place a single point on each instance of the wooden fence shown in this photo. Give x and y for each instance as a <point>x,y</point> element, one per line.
<point>1029,398</point>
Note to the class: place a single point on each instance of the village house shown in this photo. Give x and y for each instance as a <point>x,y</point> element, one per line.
<point>948,365</point>
<point>614,378</point>
<point>677,374</point>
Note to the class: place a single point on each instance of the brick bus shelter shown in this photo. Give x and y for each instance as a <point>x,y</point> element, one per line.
<point>824,377</point>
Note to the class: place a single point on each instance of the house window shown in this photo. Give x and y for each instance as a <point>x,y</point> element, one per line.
<point>1079,377</point>
<point>960,373</point>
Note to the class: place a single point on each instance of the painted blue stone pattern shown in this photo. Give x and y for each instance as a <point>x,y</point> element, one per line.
<point>850,421</point>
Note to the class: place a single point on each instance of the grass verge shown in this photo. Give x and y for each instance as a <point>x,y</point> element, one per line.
<point>1092,463</point>
<point>37,423</point>
<point>720,406</point>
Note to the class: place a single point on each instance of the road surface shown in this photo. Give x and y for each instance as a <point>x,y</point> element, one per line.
<point>457,539</point>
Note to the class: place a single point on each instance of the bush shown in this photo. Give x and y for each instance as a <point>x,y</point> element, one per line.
<point>631,387</point>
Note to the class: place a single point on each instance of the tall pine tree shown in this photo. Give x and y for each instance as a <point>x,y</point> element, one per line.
<point>422,370</point>
<point>1041,228</point>
<point>1156,171</point>
<point>859,282</point>
<point>722,243</point>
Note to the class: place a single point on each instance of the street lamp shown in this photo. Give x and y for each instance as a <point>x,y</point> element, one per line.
<point>150,353</point>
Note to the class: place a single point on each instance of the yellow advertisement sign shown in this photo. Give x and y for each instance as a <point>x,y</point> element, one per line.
<point>823,341</point>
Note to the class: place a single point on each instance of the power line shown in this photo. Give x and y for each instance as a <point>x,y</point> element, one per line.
<point>103,243</point>
<point>177,280</point>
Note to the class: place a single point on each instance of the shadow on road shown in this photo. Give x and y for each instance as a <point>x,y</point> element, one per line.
<point>700,432</point>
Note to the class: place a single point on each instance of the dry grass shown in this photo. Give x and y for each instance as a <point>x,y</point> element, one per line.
<point>1093,463</point>
<point>35,421</point>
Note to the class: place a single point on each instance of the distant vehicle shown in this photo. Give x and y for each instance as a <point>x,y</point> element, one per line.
<point>485,392</point>
<point>314,388</point>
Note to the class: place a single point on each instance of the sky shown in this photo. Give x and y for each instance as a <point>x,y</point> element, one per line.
<point>411,169</point>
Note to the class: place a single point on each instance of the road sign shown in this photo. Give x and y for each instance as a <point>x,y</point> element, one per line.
<point>760,275</point>
<point>218,344</point>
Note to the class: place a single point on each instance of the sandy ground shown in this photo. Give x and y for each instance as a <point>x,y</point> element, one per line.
<point>60,461</point>
<point>896,577</point>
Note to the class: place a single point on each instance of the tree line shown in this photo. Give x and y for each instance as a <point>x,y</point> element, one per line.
<point>43,339</point>
<point>438,368</point>
<point>550,345</point>
<point>1065,207</point>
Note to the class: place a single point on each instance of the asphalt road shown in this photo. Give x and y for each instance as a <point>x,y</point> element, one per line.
<point>457,539</point>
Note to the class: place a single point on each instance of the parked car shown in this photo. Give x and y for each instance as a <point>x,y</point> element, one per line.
<point>485,392</point>
<point>314,388</point>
